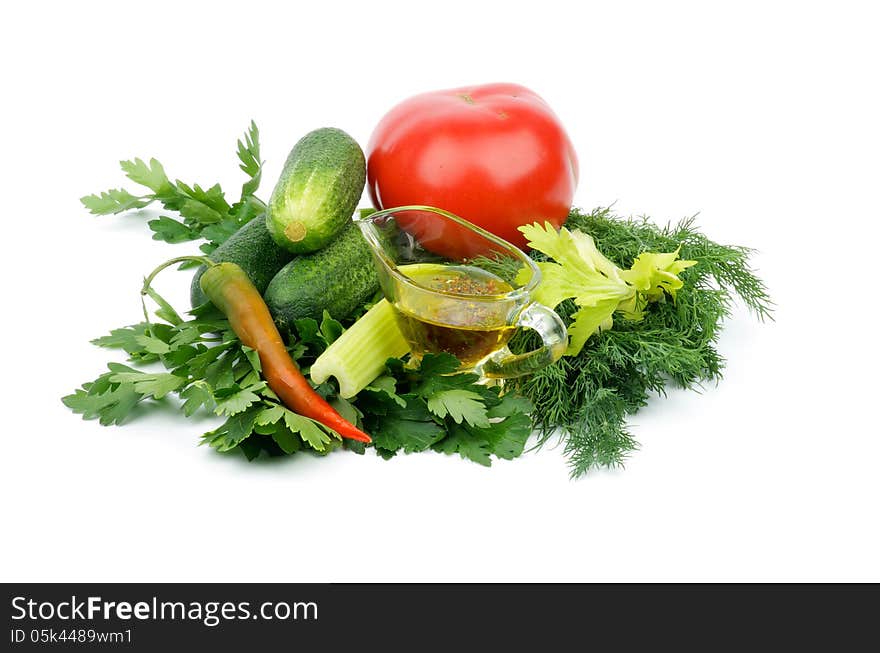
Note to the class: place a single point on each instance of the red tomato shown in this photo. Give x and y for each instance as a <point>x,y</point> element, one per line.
<point>496,155</point>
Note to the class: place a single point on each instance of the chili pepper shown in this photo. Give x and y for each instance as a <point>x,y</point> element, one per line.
<point>230,290</point>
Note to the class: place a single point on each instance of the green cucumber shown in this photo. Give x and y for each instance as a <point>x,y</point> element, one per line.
<point>340,278</point>
<point>253,250</point>
<point>318,191</point>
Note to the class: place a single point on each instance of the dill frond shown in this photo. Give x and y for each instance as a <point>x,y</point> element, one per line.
<point>591,395</point>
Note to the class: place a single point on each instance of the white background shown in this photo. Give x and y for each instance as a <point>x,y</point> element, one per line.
<point>761,117</point>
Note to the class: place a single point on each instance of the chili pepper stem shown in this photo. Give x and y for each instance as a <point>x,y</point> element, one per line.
<point>204,260</point>
<point>148,280</point>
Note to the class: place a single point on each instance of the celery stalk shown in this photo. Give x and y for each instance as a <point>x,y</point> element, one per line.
<point>358,356</point>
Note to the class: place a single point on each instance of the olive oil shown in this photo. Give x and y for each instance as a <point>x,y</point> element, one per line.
<point>462,316</point>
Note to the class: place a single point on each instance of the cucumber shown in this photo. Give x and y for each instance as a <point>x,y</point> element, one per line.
<point>318,191</point>
<point>253,250</point>
<point>340,278</point>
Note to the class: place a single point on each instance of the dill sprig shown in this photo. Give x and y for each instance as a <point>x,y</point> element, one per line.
<point>587,398</point>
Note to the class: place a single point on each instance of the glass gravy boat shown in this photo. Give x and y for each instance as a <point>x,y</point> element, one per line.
<point>431,267</point>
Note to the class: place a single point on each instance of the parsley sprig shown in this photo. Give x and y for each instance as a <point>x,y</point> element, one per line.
<point>208,369</point>
<point>203,212</point>
<point>435,407</point>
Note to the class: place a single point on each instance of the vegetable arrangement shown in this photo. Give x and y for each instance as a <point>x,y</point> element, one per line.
<point>290,341</point>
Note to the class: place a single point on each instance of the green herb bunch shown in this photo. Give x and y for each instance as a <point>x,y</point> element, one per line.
<point>209,370</point>
<point>202,213</point>
<point>587,398</point>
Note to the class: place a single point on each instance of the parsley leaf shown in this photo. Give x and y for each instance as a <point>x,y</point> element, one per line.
<point>109,403</point>
<point>115,200</point>
<point>387,385</point>
<point>152,345</point>
<point>410,429</point>
<point>505,439</point>
<point>270,415</point>
<point>432,366</point>
<point>511,404</point>
<point>235,429</point>
<point>398,422</point>
<point>149,385</point>
<point>508,438</point>
<point>459,405</point>
<point>152,174</point>
<point>309,430</point>
<point>461,440</point>
<point>287,440</point>
<point>285,424</point>
<point>251,164</point>
<point>413,410</point>
<point>126,338</point>
<point>171,231</point>
<point>234,399</point>
<point>197,395</point>
<point>330,329</point>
